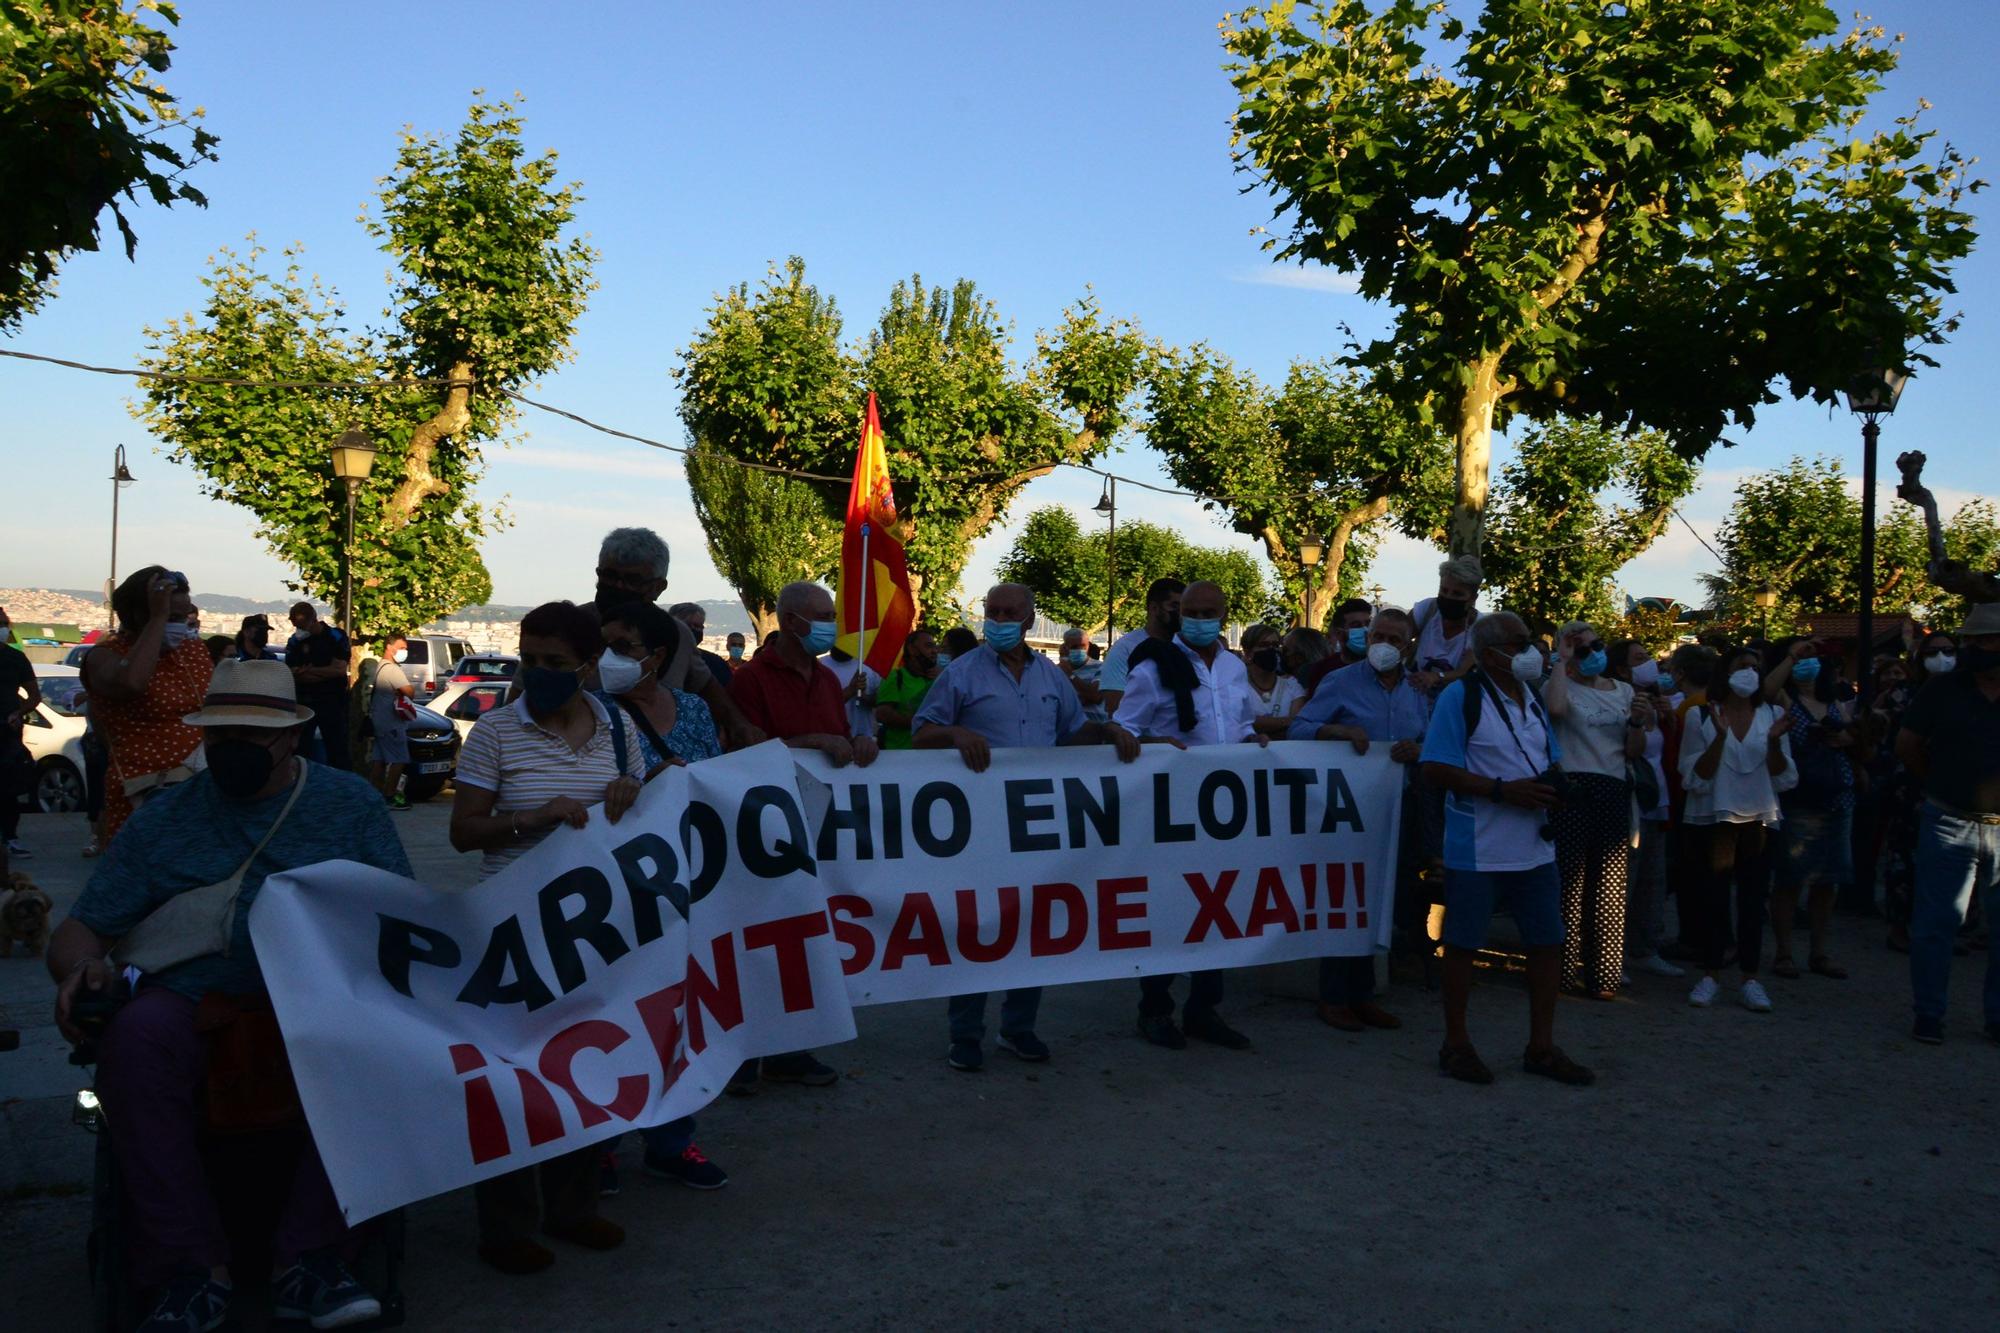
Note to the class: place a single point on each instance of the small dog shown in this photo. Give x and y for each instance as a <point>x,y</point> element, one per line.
<point>24,916</point>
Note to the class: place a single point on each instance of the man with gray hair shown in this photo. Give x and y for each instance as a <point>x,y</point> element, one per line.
<point>1005,695</point>
<point>632,567</point>
<point>1083,674</point>
<point>694,618</point>
<point>1442,621</point>
<point>1492,750</point>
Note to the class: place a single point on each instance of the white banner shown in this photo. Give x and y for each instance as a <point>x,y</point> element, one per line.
<point>616,975</point>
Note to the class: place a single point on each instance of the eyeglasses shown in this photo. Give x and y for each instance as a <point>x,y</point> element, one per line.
<point>1513,647</point>
<point>626,648</point>
<point>1594,646</point>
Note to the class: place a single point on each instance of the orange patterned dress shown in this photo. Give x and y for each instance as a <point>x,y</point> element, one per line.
<point>146,735</point>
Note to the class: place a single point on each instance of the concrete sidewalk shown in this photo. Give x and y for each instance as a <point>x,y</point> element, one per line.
<point>1812,1166</point>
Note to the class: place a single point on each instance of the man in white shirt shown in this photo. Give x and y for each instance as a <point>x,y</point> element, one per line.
<point>1190,690</point>
<point>1492,751</point>
<point>1163,621</point>
<point>858,687</point>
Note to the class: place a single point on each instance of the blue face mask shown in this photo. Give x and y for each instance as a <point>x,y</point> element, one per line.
<point>547,689</point>
<point>1357,641</point>
<point>944,659</point>
<point>1199,633</point>
<point>1078,656</point>
<point>821,637</point>
<point>1666,681</point>
<point>1003,635</point>
<point>1594,664</point>
<point>1805,670</point>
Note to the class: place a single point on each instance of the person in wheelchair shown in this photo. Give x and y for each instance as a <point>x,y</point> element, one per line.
<point>171,897</point>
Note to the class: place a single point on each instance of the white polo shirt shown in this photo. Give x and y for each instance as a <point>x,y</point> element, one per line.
<point>1512,741</point>
<point>526,766</point>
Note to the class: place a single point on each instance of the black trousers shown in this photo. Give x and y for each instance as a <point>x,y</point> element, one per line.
<point>329,721</point>
<point>1347,981</point>
<point>559,1192</point>
<point>1156,995</point>
<point>1726,857</point>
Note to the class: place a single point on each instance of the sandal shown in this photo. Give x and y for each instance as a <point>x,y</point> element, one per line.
<point>1783,966</point>
<point>1552,1063</point>
<point>1463,1063</point>
<point>1826,967</point>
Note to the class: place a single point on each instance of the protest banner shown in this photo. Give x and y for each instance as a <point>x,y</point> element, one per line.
<point>616,975</point>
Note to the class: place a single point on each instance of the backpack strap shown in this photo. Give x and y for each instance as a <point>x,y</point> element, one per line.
<point>618,750</point>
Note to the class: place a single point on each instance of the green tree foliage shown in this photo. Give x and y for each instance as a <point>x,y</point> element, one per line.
<point>1578,501</point>
<point>485,294</point>
<point>767,380</point>
<point>84,125</point>
<point>1799,529</point>
<point>1324,457</point>
<point>1071,571</point>
<point>1650,212</point>
<point>764,530</point>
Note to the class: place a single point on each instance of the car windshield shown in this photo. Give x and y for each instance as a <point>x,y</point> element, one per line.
<point>487,668</point>
<point>60,693</point>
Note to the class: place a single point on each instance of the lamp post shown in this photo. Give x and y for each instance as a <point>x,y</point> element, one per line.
<point>1766,597</point>
<point>1107,505</point>
<point>1376,592</point>
<point>121,477</point>
<point>1311,547</point>
<point>1872,397</point>
<point>353,460</point>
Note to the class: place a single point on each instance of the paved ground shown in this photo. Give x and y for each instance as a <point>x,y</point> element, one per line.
<point>1808,1167</point>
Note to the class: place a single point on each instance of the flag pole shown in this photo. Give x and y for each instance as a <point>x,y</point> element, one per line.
<point>861,625</point>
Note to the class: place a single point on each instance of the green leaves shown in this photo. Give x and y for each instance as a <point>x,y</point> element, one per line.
<point>1577,503</point>
<point>1326,457</point>
<point>82,126</point>
<point>1653,213</point>
<point>1079,578</point>
<point>489,288</point>
<point>767,380</point>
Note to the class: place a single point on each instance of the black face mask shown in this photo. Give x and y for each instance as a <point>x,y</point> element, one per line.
<point>240,768</point>
<point>1454,609</point>
<point>1266,659</point>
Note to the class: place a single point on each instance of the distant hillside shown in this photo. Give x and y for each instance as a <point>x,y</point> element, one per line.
<point>82,606</point>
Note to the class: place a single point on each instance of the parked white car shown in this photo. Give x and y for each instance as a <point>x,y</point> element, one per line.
<point>466,701</point>
<point>54,737</point>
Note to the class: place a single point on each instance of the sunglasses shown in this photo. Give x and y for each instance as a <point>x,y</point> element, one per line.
<point>1594,646</point>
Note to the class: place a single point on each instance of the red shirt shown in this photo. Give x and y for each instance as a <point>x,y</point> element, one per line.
<point>784,705</point>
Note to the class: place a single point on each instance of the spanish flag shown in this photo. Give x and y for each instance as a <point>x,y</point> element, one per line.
<point>876,607</point>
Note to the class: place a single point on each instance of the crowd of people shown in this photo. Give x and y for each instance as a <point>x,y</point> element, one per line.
<point>1573,782</point>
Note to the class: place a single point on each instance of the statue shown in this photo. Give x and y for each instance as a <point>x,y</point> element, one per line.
<point>1951,575</point>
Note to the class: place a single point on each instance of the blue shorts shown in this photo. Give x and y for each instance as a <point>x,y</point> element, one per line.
<point>1534,896</point>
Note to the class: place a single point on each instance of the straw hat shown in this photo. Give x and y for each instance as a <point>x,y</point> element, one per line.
<point>250,694</point>
<point>1983,618</point>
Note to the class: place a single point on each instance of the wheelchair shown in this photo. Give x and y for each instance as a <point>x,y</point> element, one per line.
<point>251,1173</point>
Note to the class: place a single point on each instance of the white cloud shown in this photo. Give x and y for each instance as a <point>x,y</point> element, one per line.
<point>1302,278</point>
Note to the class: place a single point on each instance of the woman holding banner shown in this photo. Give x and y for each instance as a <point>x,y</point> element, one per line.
<point>527,768</point>
<point>673,727</point>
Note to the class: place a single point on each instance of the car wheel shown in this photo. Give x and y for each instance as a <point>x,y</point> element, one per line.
<point>59,787</point>
<point>423,788</point>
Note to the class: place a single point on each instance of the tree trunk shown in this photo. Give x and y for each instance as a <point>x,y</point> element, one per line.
<point>763,619</point>
<point>1320,600</point>
<point>1474,435</point>
<point>418,484</point>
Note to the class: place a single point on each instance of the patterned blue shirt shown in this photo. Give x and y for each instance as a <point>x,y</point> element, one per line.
<point>693,737</point>
<point>190,835</point>
<point>1353,697</point>
<point>979,693</point>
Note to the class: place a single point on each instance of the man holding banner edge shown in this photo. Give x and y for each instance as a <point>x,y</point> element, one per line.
<point>1005,695</point>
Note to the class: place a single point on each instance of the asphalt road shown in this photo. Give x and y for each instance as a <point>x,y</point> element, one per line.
<point>1809,1167</point>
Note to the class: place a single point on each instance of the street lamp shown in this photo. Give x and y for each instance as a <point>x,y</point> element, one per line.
<point>121,477</point>
<point>1107,505</point>
<point>1871,397</point>
<point>1376,593</point>
<point>353,460</point>
<point>1311,547</point>
<point>1765,597</point>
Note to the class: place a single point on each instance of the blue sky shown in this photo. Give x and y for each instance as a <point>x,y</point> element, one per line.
<point>1033,147</point>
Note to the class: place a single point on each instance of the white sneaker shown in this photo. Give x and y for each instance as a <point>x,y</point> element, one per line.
<point>1753,997</point>
<point>1703,993</point>
<point>1660,967</point>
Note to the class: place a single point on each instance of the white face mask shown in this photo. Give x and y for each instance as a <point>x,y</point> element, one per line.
<point>1942,664</point>
<point>400,656</point>
<point>1646,674</point>
<point>1745,682</point>
<point>1384,656</point>
<point>178,633</point>
<point>1529,668</point>
<point>617,673</point>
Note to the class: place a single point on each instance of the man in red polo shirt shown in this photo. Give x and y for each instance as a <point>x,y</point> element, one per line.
<point>792,696</point>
